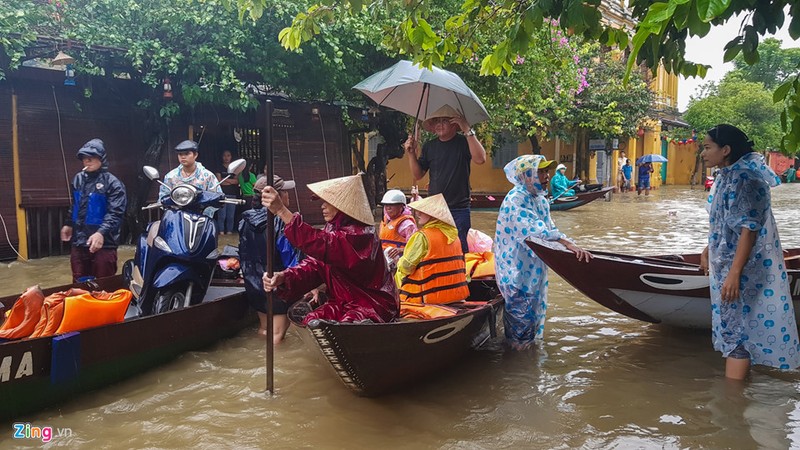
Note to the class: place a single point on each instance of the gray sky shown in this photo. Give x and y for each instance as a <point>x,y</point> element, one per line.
<point>709,50</point>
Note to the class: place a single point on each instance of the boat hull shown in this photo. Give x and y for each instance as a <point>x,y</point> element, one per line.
<point>493,201</point>
<point>579,199</point>
<point>39,373</point>
<point>374,359</point>
<point>671,291</point>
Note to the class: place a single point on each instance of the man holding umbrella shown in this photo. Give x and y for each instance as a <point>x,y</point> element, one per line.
<point>448,158</point>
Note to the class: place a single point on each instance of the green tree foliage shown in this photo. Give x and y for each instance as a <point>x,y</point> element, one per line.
<point>774,66</point>
<point>660,35</point>
<point>19,20</point>
<point>609,107</point>
<point>744,104</point>
<point>207,52</point>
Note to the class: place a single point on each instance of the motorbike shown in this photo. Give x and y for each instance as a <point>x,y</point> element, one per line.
<point>709,182</point>
<point>176,257</point>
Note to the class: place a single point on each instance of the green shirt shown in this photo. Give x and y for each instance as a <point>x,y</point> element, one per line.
<point>247,186</point>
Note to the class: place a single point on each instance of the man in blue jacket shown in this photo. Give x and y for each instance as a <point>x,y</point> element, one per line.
<point>98,206</point>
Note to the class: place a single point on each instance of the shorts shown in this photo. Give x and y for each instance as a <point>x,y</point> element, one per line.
<point>644,184</point>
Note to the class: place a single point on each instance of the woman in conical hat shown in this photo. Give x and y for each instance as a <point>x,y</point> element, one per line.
<point>521,275</point>
<point>431,270</point>
<point>345,255</point>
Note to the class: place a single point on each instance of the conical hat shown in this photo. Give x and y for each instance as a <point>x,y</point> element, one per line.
<point>445,111</point>
<point>346,194</point>
<point>434,206</point>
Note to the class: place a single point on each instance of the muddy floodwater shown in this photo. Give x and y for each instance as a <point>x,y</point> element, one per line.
<point>599,380</point>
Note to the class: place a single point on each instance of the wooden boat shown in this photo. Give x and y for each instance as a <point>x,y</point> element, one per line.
<point>669,289</point>
<point>493,201</point>
<point>580,199</point>
<point>38,373</point>
<point>373,359</point>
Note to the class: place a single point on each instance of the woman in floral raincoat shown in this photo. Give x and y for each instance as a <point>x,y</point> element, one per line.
<point>521,275</point>
<point>752,313</point>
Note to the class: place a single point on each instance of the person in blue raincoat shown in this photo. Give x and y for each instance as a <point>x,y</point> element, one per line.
<point>753,318</point>
<point>560,185</point>
<point>521,275</point>
<point>95,217</point>
<point>253,257</point>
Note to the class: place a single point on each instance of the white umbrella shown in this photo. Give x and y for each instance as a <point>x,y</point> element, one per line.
<point>419,92</point>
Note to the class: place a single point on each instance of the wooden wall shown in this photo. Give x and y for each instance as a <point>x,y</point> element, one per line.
<point>7,207</point>
<point>54,121</point>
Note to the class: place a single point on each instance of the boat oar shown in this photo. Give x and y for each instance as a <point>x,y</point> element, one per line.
<point>270,247</point>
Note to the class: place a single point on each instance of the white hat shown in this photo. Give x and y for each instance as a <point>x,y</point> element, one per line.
<point>560,166</point>
<point>393,197</point>
<point>346,194</point>
<point>436,207</point>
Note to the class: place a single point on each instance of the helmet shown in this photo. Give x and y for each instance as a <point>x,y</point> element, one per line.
<point>560,166</point>
<point>394,197</point>
<point>187,146</point>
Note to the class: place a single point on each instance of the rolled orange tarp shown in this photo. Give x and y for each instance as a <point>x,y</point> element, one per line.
<point>93,310</point>
<point>53,312</point>
<point>422,311</point>
<point>24,315</point>
<point>479,264</point>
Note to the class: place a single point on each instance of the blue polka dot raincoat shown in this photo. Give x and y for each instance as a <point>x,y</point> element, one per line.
<point>762,319</point>
<point>521,275</point>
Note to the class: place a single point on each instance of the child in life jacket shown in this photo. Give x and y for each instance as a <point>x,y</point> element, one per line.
<point>431,270</point>
<point>397,225</point>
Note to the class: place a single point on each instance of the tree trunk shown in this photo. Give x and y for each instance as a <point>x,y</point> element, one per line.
<point>536,149</point>
<point>697,163</point>
<point>138,195</point>
<point>581,155</point>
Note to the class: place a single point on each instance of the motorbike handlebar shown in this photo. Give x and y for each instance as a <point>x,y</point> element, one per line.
<point>152,206</point>
<point>233,201</point>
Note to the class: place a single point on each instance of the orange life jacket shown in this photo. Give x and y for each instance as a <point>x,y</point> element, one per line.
<point>389,235</point>
<point>441,276</point>
<point>53,312</point>
<point>93,310</point>
<point>24,315</point>
<point>480,265</point>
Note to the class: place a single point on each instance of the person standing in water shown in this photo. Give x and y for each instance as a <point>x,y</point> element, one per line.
<point>753,318</point>
<point>98,206</point>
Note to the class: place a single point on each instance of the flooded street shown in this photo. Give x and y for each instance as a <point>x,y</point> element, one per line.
<point>600,380</point>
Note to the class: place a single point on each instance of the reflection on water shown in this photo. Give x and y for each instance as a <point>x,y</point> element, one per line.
<point>600,380</point>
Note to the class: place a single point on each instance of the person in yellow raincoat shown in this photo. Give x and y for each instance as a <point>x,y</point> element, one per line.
<point>431,270</point>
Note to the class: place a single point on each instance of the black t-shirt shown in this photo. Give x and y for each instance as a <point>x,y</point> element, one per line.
<point>449,166</point>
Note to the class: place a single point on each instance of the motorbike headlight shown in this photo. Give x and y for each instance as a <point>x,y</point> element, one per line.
<point>183,195</point>
<point>162,244</point>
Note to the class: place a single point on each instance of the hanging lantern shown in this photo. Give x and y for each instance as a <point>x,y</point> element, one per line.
<point>640,132</point>
<point>167,87</point>
<point>69,74</point>
<point>62,59</point>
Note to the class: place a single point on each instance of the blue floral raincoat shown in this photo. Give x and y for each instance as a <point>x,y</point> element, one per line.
<point>762,319</point>
<point>521,275</point>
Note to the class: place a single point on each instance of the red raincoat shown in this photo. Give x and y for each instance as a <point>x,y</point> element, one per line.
<point>346,255</point>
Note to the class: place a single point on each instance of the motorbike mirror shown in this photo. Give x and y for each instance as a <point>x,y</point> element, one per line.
<point>237,166</point>
<point>151,172</point>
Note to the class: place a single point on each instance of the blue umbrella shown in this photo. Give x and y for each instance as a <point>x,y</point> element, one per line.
<point>651,159</point>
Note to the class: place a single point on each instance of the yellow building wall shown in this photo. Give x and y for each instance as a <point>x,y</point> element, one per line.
<point>484,178</point>
<point>681,163</point>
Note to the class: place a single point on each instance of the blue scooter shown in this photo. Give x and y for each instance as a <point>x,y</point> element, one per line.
<point>176,256</point>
